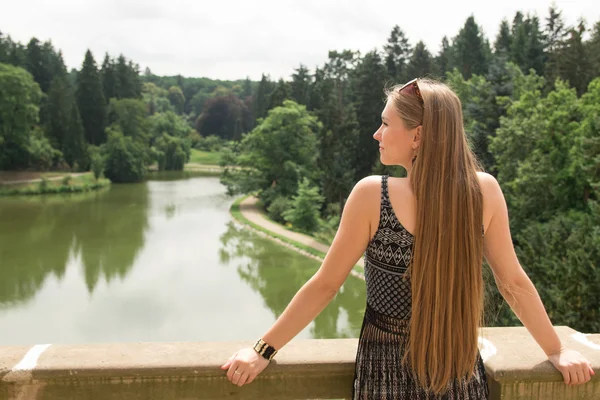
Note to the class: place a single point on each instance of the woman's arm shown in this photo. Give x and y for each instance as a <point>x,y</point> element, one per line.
<point>520,293</point>
<point>349,244</point>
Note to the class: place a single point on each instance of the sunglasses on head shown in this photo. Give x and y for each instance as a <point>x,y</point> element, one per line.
<point>412,87</point>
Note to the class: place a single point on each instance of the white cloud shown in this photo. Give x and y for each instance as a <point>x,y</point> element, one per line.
<point>233,39</point>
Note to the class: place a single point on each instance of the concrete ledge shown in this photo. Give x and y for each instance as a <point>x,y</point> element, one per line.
<point>305,369</point>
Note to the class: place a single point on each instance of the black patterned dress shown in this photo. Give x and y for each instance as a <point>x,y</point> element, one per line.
<point>379,373</point>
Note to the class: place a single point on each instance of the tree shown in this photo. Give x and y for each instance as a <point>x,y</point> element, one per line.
<point>261,102</point>
<point>574,65</point>
<point>277,154</point>
<point>589,147</point>
<point>156,99</point>
<point>536,162</point>
<point>300,86</point>
<point>168,123</point>
<point>91,102</point>
<point>535,54</point>
<point>38,64</point>
<point>421,62</point>
<point>593,46</point>
<point>110,84</point>
<point>397,53</point>
<point>503,42</point>
<point>304,211</point>
<point>554,36</point>
<point>130,116</point>
<point>481,113</point>
<point>125,84</point>
<point>223,116</point>
<point>339,137</point>
<point>279,94</point>
<point>12,52</point>
<point>471,49</point>
<point>19,107</point>
<point>561,257</point>
<point>444,61</point>
<point>172,152</point>
<point>368,81</point>
<point>125,158</point>
<point>177,99</point>
<point>64,125</point>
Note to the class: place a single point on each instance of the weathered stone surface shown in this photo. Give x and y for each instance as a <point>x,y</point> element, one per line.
<point>304,369</point>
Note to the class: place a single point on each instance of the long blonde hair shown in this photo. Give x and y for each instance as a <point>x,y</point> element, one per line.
<point>446,269</point>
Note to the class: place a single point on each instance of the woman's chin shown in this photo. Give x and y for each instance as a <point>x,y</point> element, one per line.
<point>384,161</point>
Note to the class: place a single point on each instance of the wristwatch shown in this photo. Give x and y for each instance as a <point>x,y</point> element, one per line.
<point>265,350</point>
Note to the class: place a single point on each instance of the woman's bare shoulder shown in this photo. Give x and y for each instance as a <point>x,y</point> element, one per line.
<point>489,185</point>
<point>493,199</point>
<point>366,192</point>
<point>367,187</point>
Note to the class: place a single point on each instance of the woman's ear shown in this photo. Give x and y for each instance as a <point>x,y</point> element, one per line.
<point>417,137</point>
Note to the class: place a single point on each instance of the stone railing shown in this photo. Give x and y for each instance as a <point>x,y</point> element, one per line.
<point>305,369</point>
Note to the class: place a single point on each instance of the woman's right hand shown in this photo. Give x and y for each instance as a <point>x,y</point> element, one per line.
<point>244,366</point>
<point>574,367</point>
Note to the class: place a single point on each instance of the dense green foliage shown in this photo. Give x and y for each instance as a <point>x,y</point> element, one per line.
<point>19,107</point>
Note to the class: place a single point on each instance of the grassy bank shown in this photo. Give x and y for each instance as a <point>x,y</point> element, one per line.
<point>237,214</point>
<point>235,211</point>
<point>67,184</point>
<point>205,157</point>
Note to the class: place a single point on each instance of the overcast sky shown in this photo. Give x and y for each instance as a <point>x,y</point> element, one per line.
<point>232,39</point>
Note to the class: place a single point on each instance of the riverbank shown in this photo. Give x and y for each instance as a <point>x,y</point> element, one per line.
<point>246,211</point>
<point>50,184</point>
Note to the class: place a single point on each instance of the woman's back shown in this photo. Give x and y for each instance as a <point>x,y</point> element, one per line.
<point>380,372</point>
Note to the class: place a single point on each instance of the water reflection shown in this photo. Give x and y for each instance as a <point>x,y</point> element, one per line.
<point>39,236</point>
<point>269,270</point>
<point>156,261</point>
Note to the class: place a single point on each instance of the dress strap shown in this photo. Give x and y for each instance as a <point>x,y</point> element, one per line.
<point>385,206</point>
<point>385,196</point>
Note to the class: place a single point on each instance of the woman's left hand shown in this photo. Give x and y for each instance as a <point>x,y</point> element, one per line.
<point>574,367</point>
<point>244,366</point>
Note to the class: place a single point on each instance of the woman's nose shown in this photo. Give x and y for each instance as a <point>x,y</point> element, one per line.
<point>377,135</point>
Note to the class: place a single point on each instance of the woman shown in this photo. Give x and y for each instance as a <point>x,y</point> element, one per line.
<point>425,237</point>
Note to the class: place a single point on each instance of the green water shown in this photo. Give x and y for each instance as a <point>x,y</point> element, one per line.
<point>156,261</point>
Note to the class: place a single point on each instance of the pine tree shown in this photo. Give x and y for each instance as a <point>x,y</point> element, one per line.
<point>109,79</point>
<point>260,98</point>
<point>247,87</point>
<point>518,51</point>
<point>445,58</point>
<point>304,213</point>
<point>397,51</point>
<point>593,46</point>
<point>340,134</point>
<point>12,52</point>
<point>471,49</point>
<point>574,65</point>
<point>300,86</point>
<point>279,94</point>
<point>368,80</point>
<point>123,79</point>
<point>421,62</point>
<point>38,64</point>
<point>555,32</point>
<point>535,55</point>
<point>177,99</point>
<point>91,102</point>
<point>504,39</point>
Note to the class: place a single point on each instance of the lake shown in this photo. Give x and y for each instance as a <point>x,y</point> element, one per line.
<point>156,261</point>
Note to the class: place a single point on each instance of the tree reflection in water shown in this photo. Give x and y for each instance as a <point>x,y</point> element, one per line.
<point>277,273</point>
<point>39,235</point>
